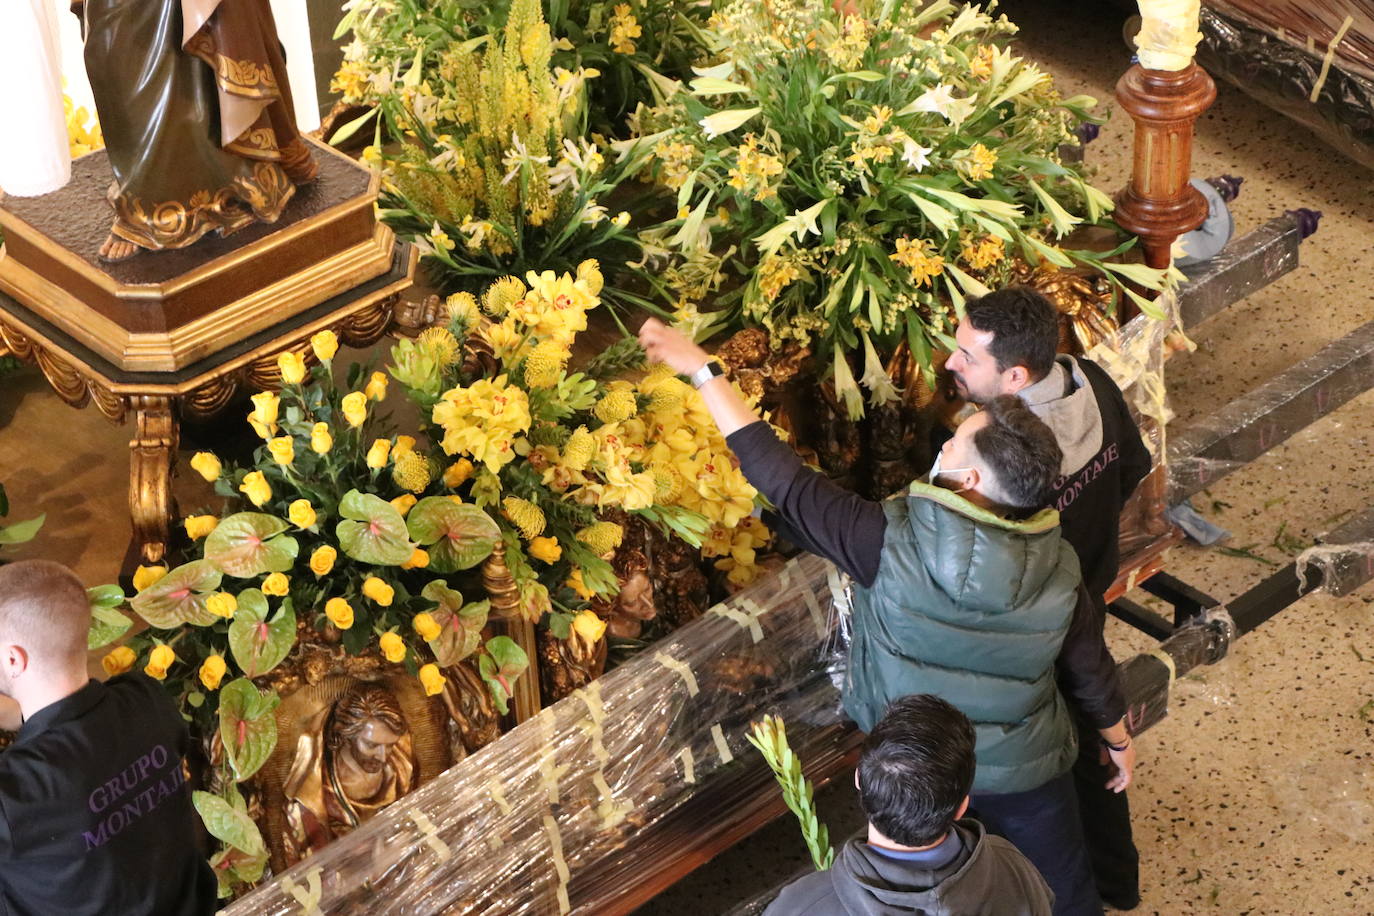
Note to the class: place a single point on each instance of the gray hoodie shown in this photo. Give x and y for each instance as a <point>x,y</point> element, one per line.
<point>987,878</point>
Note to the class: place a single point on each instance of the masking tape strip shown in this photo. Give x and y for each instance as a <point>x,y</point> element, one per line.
<point>1329,57</point>
<point>498,795</point>
<point>689,765</point>
<point>612,813</point>
<point>839,588</point>
<point>722,747</point>
<point>680,669</point>
<point>559,864</point>
<point>431,834</point>
<point>744,620</point>
<point>785,576</point>
<point>817,615</point>
<point>751,607</point>
<point>308,899</point>
<point>1168,661</point>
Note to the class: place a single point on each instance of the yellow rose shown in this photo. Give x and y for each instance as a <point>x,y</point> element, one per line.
<point>376,387</point>
<point>588,626</point>
<point>212,672</point>
<point>426,626</point>
<point>292,367</point>
<point>276,584</point>
<point>222,604</point>
<point>159,660</point>
<point>377,455</point>
<point>301,513</point>
<point>458,472</point>
<point>403,444</point>
<point>378,591</point>
<point>354,407</point>
<point>198,526</point>
<point>545,549</point>
<point>432,680</point>
<point>206,465</point>
<point>339,612</point>
<point>418,559</point>
<point>404,503</point>
<point>575,583</point>
<point>320,439</point>
<point>256,488</point>
<point>393,647</point>
<point>322,560</point>
<point>325,344</point>
<point>263,419</point>
<point>118,660</point>
<point>145,576</point>
<point>282,450</point>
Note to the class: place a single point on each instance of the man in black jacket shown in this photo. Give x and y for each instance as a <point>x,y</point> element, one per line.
<point>95,814</point>
<point>917,856</point>
<point>1007,343</point>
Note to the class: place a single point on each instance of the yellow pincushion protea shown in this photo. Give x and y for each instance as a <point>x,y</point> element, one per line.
<point>440,344</point>
<point>411,472</point>
<point>579,449</point>
<point>525,515</point>
<point>602,537</point>
<point>544,364</point>
<point>668,483</point>
<point>617,404</point>
<point>502,294</point>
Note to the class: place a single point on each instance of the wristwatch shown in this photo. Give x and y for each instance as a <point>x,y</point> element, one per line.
<point>709,370</point>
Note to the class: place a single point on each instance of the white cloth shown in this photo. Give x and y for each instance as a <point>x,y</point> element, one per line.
<point>1168,33</point>
<point>35,158</point>
<point>293,28</point>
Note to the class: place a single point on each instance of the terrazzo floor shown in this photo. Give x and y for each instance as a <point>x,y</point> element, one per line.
<point>1256,795</point>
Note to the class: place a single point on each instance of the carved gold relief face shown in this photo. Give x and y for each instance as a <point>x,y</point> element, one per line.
<point>370,747</point>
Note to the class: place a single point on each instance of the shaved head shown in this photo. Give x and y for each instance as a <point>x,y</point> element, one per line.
<point>44,610</point>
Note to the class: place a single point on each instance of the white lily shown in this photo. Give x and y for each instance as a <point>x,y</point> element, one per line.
<point>799,224</point>
<point>915,155</point>
<point>875,378</point>
<point>722,122</point>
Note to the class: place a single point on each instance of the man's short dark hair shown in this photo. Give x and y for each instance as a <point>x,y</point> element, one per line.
<point>916,769</point>
<point>1024,326</point>
<point>1021,452</point>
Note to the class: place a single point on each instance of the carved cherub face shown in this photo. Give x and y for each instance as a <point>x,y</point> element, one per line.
<point>371,746</point>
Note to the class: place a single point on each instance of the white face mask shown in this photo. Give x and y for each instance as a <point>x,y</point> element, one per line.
<point>936,470</point>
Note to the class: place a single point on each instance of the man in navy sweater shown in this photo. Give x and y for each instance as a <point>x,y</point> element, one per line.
<point>1007,345</point>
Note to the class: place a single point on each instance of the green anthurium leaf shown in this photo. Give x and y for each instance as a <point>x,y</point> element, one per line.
<point>105,596</point>
<point>372,531</point>
<point>228,824</point>
<point>501,663</point>
<point>179,597</point>
<point>250,544</point>
<point>259,645</point>
<point>457,536</point>
<point>233,867</point>
<point>460,625</point>
<point>21,532</point>
<point>107,625</point>
<point>246,726</point>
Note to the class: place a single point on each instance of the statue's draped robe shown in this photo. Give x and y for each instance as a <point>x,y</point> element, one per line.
<point>196,111</point>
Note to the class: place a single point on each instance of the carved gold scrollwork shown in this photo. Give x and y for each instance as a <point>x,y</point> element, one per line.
<point>19,346</point>
<point>365,327</point>
<point>150,473</point>
<point>412,317</point>
<point>112,405</point>
<point>210,397</point>
<point>500,585</point>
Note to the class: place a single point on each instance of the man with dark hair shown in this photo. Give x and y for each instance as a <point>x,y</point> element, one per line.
<point>1007,343</point>
<point>918,856</point>
<point>965,590</point>
<point>95,814</point>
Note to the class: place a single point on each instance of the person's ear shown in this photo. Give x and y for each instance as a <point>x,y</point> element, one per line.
<point>15,659</point>
<point>971,479</point>
<point>856,780</point>
<point>963,808</point>
<point>1014,379</point>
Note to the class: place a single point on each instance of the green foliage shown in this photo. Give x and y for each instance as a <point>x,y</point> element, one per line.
<point>769,736</point>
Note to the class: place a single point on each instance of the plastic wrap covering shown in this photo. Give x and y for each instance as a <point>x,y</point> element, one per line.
<point>1247,264</point>
<point>652,754</point>
<point>1146,679</point>
<point>1314,25</point>
<point>1304,84</point>
<point>1342,561</point>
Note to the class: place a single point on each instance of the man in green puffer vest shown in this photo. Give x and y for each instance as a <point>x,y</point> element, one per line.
<point>965,590</point>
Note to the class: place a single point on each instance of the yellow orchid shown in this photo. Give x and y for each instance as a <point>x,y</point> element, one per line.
<point>545,549</point>
<point>588,626</point>
<point>418,559</point>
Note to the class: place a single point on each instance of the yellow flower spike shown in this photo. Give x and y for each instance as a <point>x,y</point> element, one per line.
<point>159,660</point>
<point>320,439</point>
<point>118,660</point>
<point>404,503</point>
<point>617,404</point>
<point>602,537</point>
<point>276,584</point>
<point>578,449</point>
<point>222,604</point>
<point>545,364</point>
<point>325,344</point>
<point>432,679</point>
<point>411,471</point>
<point>263,418</point>
<point>256,488</point>
<point>393,647</point>
<point>206,465</point>
<point>282,449</point>
<point>545,549</point>
<point>354,407</point>
<point>525,515</point>
<point>378,591</point>
<point>212,671</point>
<point>464,306</point>
<point>418,559</point>
<point>575,583</point>
<point>145,576</point>
<point>339,612</point>
<point>198,526</point>
<point>292,367</point>
<point>322,560</point>
<point>376,387</point>
<point>502,294</point>
<point>301,513</point>
<point>588,626</point>
<point>377,455</point>
<point>458,473</point>
<point>426,626</point>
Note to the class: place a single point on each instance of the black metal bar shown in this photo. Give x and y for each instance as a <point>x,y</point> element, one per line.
<point>1204,452</point>
<point>1141,617</point>
<point>1247,264</point>
<point>1186,601</point>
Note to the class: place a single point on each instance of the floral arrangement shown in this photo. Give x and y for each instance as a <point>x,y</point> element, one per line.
<point>850,173</point>
<point>16,532</point>
<point>83,130</point>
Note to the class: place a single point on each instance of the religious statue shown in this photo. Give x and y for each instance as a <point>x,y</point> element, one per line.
<point>193,101</point>
<point>353,758</point>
